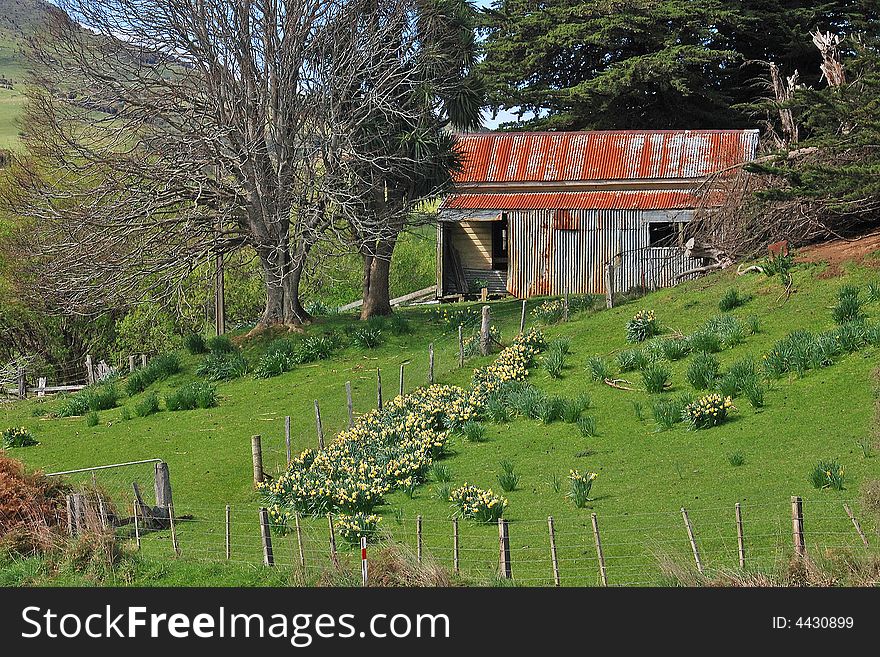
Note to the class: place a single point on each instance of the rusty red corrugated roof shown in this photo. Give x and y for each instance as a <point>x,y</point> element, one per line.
<point>621,200</point>
<point>601,155</point>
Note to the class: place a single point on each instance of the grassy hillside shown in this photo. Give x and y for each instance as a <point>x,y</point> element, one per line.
<point>645,474</point>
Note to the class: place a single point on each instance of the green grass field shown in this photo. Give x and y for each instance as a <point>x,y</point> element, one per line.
<point>645,475</point>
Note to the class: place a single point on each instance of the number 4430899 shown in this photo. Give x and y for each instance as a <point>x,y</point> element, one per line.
<point>824,622</point>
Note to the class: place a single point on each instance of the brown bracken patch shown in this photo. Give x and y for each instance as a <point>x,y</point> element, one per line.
<point>840,251</point>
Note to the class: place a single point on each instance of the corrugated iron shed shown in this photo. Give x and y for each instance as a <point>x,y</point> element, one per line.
<point>621,200</point>
<point>601,155</point>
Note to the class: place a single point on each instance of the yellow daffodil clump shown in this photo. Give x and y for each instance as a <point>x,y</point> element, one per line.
<point>17,437</point>
<point>708,411</point>
<point>580,485</point>
<point>392,448</point>
<point>481,505</point>
<point>642,326</point>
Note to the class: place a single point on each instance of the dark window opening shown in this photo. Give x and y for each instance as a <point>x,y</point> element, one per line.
<point>664,233</point>
<point>499,244</point>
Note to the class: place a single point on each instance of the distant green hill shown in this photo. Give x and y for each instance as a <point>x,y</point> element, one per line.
<point>18,18</point>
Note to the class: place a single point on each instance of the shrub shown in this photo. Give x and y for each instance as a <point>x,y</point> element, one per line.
<point>736,459</point>
<point>550,409</point>
<point>675,348</point>
<point>642,326</point>
<point>194,343</point>
<point>827,474</point>
<point>480,505</point>
<point>705,341</point>
<point>17,437</point>
<point>573,408</point>
<point>474,432</point>
<point>366,337</point>
<point>631,359</point>
<point>598,368</point>
<point>223,366</point>
<point>220,344</point>
<point>507,478</point>
<point>92,419</point>
<point>197,394</point>
<point>703,371</point>
<point>849,306</point>
<point>441,473</point>
<point>587,426</point>
<point>708,411</point>
<point>554,362</point>
<point>655,377</point>
<point>147,406</point>
<point>579,486</point>
<point>731,299</point>
<point>668,412</point>
<point>145,330</point>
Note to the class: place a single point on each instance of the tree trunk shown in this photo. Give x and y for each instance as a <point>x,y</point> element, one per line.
<point>282,276</point>
<point>377,289</point>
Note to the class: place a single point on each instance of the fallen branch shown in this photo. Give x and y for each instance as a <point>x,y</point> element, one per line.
<point>615,383</point>
<point>741,272</point>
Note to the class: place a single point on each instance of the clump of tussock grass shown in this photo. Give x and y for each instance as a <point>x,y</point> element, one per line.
<point>655,377</point>
<point>631,359</point>
<point>732,299</point>
<point>598,368</point>
<point>197,394</point>
<point>703,371</point>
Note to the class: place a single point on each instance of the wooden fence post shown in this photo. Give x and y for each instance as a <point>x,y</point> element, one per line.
<point>71,522</point>
<point>504,548</point>
<point>349,404</point>
<point>102,513</point>
<point>143,360</point>
<point>266,538</point>
<point>79,514</point>
<point>740,539</point>
<point>419,538</point>
<point>22,383</point>
<point>299,542</point>
<point>162,485</point>
<point>553,556</point>
<point>484,294</point>
<point>690,532</point>
<point>41,386</point>
<point>455,546</point>
<point>522,318</point>
<point>287,438</point>
<point>137,529</point>
<point>131,365</point>
<point>485,339</point>
<point>460,345</point>
<point>400,392</point>
<point>600,555</point>
<point>333,556</point>
<point>318,426</point>
<point>257,458</point>
<point>797,525</point>
<point>856,524</point>
<point>431,364</point>
<point>609,285</point>
<point>228,532</point>
<point>174,543</point>
<point>379,388</point>
<point>90,370</point>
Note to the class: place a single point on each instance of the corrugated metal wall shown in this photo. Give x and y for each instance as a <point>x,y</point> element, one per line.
<point>550,260</point>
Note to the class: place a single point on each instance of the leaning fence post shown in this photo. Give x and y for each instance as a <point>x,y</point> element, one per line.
<point>299,542</point>
<point>609,285</point>
<point>460,345</point>
<point>797,525</point>
<point>137,529</point>
<point>740,539</point>
<point>504,548</point>
<point>349,404</point>
<point>318,426</point>
<point>485,340</point>
<point>228,532</point>
<point>287,438</point>
<point>379,388</point>
<point>690,532</point>
<point>333,556</point>
<point>419,538</point>
<point>856,524</point>
<point>522,318</point>
<point>22,383</point>
<point>266,538</point>
<point>257,458</point>
<point>162,485</point>
<point>603,573</point>
<point>174,543</point>
<point>553,556</point>
<point>431,363</point>
<point>455,546</point>
<point>402,365</point>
